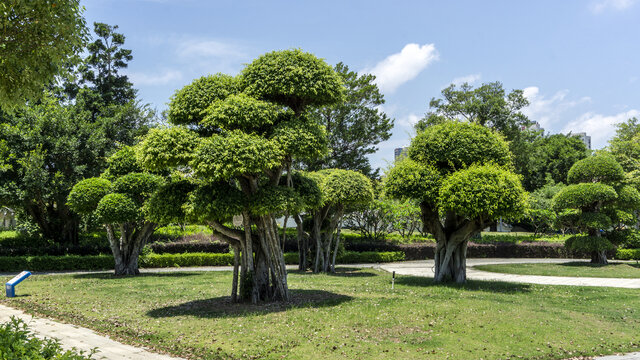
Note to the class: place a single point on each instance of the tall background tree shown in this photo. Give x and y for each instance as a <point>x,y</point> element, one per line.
<point>355,126</point>
<point>461,175</point>
<point>51,144</point>
<point>38,40</point>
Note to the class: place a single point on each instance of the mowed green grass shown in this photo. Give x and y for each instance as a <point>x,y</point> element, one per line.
<point>574,268</point>
<point>352,315</point>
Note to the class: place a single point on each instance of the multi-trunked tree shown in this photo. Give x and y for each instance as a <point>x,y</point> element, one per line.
<point>462,176</point>
<point>236,139</point>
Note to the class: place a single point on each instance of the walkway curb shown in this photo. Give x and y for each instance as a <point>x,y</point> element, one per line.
<point>84,339</point>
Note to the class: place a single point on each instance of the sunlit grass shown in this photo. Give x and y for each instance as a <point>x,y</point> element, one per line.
<point>353,315</point>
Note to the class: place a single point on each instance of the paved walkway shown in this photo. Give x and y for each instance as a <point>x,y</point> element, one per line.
<point>425,268</point>
<point>81,338</point>
<point>86,339</point>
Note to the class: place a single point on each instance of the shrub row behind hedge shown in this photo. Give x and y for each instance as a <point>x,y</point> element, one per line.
<point>628,254</point>
<point>105,262</point>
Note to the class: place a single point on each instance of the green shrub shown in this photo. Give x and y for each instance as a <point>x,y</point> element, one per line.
<point>628,254</point>
<point>584,243</point>
<point>18,342</point>
<point>105,262</point>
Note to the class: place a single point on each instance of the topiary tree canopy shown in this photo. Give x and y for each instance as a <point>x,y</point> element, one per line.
<point>462,176</point>
<point>243,135</point>
<point>599,201</point>
<point>343,191</point>
<point>130,203</point>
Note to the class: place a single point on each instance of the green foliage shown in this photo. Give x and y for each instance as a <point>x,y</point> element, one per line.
<point>166,205</point>
<point>583,195</point>
<point>218,201</point>
<point>409,179</point>
<point>355,126</point>
<point>600,167</point>
<point>100,68</point>
<point>301,138</point>
<point>166,148</point>
<point>86,194</point>
<point>18,342</point>
<point>188,105</point>
<point>39,40</point>
<point>585,243</point>
<point>487,105</point>
<point>292,78</point>
<point>625,146</point>
<point>628,198</point>
<point>56,263</point>
<point>347,188</point>
<point>137,186</point>
<point>241,112</point>
<point>275,200</point>
<point>628,254</point>
<point>307,189</point>
<point>550,157</point>
<point>122,162</point>
<point>234,153</point>
<point>625,238</point>
<point>483,192</point>
<point>451,146</point>
<point>117,209</point>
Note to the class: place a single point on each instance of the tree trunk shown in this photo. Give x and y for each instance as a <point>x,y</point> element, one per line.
<point>272,263</point>
<point>234,283</point>
<point>450,261</point>
<point>335,251</point>
<point>317,223</point>
<point>126,249</point>
<point>599,257</point>
<point>303,243</point>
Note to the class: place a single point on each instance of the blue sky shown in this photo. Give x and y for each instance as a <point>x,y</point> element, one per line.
<point>577,61</point>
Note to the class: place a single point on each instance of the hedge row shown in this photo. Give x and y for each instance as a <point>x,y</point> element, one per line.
<point>628,254</point>
<point>105,262</point>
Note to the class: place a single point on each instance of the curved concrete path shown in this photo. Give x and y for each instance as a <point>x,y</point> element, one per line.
<point>425,268</point>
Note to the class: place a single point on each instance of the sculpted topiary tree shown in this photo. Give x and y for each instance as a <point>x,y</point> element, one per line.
<point>600,201</point>
<point>243,135</point>
<point>125,200</point>
<point>342,191</point>
<point>462,176</point>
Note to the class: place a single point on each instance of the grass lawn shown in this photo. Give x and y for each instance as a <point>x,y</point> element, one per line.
<point>353,315</point>
<point>576,268</point>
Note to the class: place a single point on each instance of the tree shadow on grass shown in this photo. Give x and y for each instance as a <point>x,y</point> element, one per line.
<point>471,285</point>
<point>111,276</point>
<point>587,264</point>
<point>340,272</point>
<point>222,307</point>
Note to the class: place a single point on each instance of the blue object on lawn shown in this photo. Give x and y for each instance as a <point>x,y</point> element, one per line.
<point>11,284</point>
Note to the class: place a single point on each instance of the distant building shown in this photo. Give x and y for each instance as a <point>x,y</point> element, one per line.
<point>399,152</point>
<point>533,127</point>
<point>7,217</point>
<point>586,139</point>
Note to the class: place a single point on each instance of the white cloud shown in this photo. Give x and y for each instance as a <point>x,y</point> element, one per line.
<point>409,121</point>
<point>469,79</point>
<point>548,111</point>
<point>600,6</point>
<point>162,78</point>
<point>401,67</point>
<point>600,127</point>
<point>195,49</point>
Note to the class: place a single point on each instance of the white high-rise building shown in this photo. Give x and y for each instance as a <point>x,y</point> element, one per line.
<point>586,139</point>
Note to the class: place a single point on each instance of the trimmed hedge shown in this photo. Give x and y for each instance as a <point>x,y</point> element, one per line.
<point>628,254</point>
<point>105,262</point>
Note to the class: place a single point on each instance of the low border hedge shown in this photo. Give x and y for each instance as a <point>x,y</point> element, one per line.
<point>628,254</point>
<point>105,262</point>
